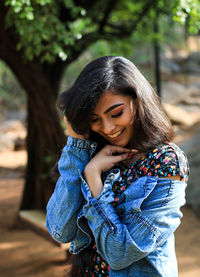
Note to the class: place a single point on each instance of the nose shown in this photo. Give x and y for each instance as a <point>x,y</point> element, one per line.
<point>108,127</point>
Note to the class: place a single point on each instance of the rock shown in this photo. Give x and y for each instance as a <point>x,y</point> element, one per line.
<point>195,89</point>
<point>6,142</point>
<point>194,56</point>
<point>193,101</point>
<point>11,131</point>
<point>191,64</point>
<point>180,116</point>
<point>192,150</point>
<point>11,125</point>
<point>169,66</point>
<point>173,92</point>
<point>191,67</point>
<point>16,115</point>
<point>192,80</point>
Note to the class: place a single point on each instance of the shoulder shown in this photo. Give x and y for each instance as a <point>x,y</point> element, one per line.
<point>172,159</point>
<point>169,160</point>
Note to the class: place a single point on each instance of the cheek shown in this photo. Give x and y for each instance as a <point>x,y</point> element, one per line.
<point>132,116</point>
<point>128,119</point>
<point>94,128</point>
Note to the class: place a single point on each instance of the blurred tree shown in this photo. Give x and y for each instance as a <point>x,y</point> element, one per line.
<point>38,40</point>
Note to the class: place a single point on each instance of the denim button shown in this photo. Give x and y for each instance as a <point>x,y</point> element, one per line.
<point>92,146</point>
<point>113,228</point>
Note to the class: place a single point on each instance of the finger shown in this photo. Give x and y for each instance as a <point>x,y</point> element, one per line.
<point>118,158</point>
<point>116,149</point>
<point>132,153</point>
<point>119,149</point>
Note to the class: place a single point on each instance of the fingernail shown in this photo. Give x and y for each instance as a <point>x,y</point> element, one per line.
<point>130,155</point>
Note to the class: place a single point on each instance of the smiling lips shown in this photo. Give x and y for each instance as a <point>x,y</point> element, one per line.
<point>116,134</point>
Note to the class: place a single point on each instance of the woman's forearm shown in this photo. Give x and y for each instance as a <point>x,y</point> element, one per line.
<point>94,181</point>
<point>67,199</point>
<point>131,231</point>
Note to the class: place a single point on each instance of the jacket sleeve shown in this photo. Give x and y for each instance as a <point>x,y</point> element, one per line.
<point>146,215</point>
<point>67,199</point>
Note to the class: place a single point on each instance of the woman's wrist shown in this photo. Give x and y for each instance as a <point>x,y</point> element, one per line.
<point>93,178</point>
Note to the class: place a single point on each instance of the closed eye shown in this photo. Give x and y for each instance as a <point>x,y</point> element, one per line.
<point>94,119</point>
<point>113,116</point>
<point>118,114</point>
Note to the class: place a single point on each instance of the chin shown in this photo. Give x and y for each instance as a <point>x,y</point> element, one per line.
<point>123,142</point>
<point>120,143</point>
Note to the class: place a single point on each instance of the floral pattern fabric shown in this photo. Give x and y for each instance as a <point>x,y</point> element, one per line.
<point>164,161</point>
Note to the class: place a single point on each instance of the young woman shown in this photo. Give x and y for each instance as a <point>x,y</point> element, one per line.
<point>122,180</point>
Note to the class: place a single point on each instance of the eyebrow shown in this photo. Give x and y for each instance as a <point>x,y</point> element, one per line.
<point>112,108</point>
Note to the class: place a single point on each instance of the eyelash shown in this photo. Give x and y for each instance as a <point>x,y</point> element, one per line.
<point>94,120</point>
<point>118,114</point>
<point>113,116</point>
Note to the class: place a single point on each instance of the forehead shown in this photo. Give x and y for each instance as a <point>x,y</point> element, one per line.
<point>109,99</point>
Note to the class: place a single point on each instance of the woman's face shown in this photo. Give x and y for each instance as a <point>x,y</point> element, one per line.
<point>113,118</point>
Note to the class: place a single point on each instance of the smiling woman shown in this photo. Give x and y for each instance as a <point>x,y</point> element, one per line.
<point>113,118</point>
<point>121,77</point>
<point>122,180</point>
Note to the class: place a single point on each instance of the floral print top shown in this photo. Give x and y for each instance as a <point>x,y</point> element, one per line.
<point>164,161</point>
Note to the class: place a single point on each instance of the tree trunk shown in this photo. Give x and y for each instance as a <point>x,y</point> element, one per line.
<point>44,141</point>
<point>45,136</point>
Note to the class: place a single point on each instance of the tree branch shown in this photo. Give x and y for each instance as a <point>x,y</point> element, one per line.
<point>126,30</point>
<point>108,10</point>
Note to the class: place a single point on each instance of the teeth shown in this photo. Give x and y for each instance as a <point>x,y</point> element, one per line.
<point>115,135</point>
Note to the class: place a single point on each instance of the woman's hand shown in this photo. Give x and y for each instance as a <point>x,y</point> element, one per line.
<point>108,157</point>
<point>71,132</point>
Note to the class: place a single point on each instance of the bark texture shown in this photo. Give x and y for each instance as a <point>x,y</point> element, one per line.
<point>45,136</point>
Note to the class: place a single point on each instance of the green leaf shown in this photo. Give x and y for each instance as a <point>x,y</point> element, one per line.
<point>17,9</point>
<point>29,15</point>
<point>69,4</point>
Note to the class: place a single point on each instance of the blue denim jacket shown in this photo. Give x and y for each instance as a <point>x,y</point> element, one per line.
<point>136,237</point>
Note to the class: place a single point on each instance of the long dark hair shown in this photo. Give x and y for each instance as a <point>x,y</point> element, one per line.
<point>119,75</point>
<point>151,126</point>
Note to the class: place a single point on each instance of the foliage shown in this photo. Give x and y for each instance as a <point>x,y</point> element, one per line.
<point>137,47</point>
<point>49,29</point>
<point>189,9</point>
<point>42,31</point>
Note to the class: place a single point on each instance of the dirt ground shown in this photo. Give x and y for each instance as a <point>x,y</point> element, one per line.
<point>25,254</point>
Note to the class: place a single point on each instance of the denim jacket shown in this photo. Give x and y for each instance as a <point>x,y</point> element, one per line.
<point>136,237</point>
